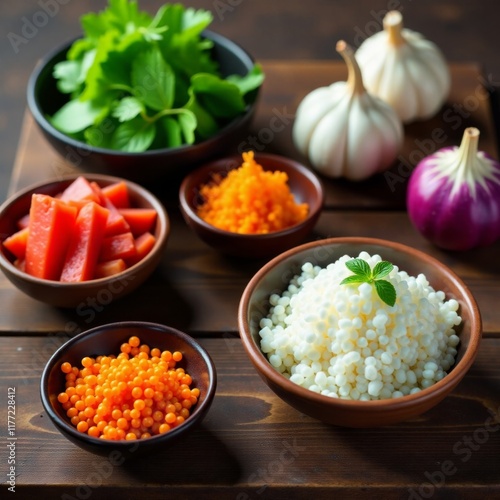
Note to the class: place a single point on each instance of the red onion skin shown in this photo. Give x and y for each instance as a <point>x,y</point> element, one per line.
<point>457,223</point>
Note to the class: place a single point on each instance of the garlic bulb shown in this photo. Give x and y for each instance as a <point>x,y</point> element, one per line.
<point>345,131</point>
<point>404,69</point>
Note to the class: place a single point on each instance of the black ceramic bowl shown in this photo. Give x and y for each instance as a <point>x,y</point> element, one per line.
<point>44,99</point>
<point>107,339</point>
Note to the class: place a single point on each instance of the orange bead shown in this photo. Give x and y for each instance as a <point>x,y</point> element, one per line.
<point>66,367</point>
<point>147,422</point>
<point>72,412</point>
<point>149,393</point>
<point>93,431</point>
<point>139,404</point>
<point>136,393</point>
<point>116,414</point>
<point>86,362</point>
<point>63,397</point>
<point>164,428</point>
<point>125,347</point>
<point>170,418</point>
<point>129,395</point>
<point>134,341</point>
<point>82,426</point>
<point>122,423</point>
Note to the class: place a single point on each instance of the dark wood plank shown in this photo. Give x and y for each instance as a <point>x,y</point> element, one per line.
<point>197,289</point>
<point>469,104</point>
<point>285,86</point>
<point>253,445</point>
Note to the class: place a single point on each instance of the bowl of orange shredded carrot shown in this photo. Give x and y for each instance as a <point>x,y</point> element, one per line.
<point>128,388</point>
<point>253,205</point>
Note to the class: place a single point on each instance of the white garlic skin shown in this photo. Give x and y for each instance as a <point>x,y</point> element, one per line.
<point>344,135</point>
<point>412,76</point>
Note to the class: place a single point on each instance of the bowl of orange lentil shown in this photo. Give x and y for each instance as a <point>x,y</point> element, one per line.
<point>128,388</point>
<point>253,205</point>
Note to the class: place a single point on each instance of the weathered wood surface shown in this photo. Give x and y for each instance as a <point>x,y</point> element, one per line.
<point>196,288</point>
<point>252,445</point>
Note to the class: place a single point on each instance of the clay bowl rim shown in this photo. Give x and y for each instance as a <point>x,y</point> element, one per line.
<point>230,163</point>
<point>163,229</point>
<point>93,444</point>
<point>440,388</point>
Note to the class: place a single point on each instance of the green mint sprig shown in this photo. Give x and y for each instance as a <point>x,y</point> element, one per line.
<point>363,274</point>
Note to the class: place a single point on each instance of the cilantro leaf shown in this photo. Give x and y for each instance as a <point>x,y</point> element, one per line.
<point>219,97</point>
<point>153,80</point>
<point>206,124</point>
<point>75,116</point>
<point>251,81</point>
<point>188,122</point>
<point>133,136</point>
<point>172,131</point>
<point>128,108</point>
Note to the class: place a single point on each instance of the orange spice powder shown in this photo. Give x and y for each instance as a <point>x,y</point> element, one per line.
<point>251,200</point>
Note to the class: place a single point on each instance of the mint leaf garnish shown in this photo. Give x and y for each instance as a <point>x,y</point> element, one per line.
<point>363,274</point>
<point>359,267</point>
<point>386,291</point>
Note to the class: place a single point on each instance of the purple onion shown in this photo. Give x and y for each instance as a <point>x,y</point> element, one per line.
<point>453,196</point>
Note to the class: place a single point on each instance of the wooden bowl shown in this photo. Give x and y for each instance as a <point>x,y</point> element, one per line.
<point>103,290</point>
<point>44,99</point>
<point>304,184</point>
<point>274,277</point>
<point>105,340</point>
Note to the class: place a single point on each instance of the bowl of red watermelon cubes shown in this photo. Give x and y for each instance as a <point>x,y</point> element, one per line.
<point>80,237</point>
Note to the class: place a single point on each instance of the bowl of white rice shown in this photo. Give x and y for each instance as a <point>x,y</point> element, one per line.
<point>359,332</point>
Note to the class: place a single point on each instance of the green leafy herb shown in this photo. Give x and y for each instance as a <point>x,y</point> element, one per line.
<point>363,274</point>
<point>136,81</point>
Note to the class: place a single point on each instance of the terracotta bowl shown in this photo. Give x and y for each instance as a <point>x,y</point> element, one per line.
<point>304,184</point>
<point>106,339</point>
<point>44,99</point>
<point>274,278</point>
<point>71,295</point>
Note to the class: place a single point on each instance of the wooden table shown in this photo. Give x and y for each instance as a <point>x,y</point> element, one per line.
<point>252,445</point>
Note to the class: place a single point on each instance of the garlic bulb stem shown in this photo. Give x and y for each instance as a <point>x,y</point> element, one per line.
<point>393,24</point>
<point>354,78</point>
